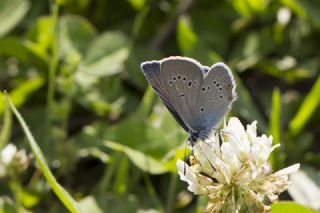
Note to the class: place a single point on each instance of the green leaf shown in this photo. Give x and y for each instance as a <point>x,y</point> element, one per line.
<point>14,47</point>
<point>29,198</point>
<point>20,94</point>
<point>296,7</point>
<point>137,4</point>
<point>109,65</point>
<point>247,8</point>
<point>251,48</point>
<point>106,55</point>
<point>105,44</point>
<point>75,35</point>
<point>39,38</point>
<point>275,119</point>
<point>121,180</point>
<point>137,55</point>
<point>61,193</point>
<point>185,36</point>
<point>287,206</point>
<point>7,205</point>
<point>11,13</point>
<point>89,204</point>
<point>305,187</point>
<point>275,127</point>
<point>142,161</point>
<point>306,110</point>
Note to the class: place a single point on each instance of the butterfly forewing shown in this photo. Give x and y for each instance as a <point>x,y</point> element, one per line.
<point>182,78</point>
<point>152,72</point>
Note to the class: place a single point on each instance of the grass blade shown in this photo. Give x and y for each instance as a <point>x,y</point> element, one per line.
<point>274,127</point>
<point>307,108</point>
<point>61,193</point>
<point>6,128</point>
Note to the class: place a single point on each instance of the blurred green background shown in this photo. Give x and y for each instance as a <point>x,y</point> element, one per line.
<point>72,68</point>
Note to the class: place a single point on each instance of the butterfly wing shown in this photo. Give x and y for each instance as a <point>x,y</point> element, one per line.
<point>151,70</point>
<point>182,78</point>
<point>216,95</point>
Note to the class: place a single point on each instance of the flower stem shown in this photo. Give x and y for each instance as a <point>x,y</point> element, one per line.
<point>171,192</point>
<point>51,76</point>
<point>152,192</point>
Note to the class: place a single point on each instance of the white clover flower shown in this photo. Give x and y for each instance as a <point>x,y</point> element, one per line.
<point>232,170</point>
<point>13,161</point>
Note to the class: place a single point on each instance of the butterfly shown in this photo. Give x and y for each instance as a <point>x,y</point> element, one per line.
<point>197,96</point>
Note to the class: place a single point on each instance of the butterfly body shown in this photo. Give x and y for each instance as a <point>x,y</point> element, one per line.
<point>197,96</point>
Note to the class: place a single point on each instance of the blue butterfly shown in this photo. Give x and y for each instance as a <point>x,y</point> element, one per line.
<point>197,96</point>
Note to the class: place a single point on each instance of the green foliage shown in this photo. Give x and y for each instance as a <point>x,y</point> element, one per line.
<point>11,13</point>
<point>74,74</point>
<point>289,207</point>
<point>62,194</point>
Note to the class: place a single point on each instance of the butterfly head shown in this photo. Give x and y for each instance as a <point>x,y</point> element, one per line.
<point>193,138</point>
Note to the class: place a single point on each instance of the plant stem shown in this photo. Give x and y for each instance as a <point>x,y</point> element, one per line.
<point>152,192</point>
<point>105,181</point>
<point>171,192</point>
<point>51,76</point>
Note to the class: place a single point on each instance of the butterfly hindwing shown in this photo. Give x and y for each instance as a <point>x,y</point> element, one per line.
<point>216,95</point>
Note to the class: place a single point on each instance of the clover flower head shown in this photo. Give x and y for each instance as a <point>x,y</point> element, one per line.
<point>13,161</point>
<point>232,170</point>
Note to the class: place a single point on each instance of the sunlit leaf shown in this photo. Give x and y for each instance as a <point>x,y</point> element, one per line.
<point>142,161</point>
<point>75,35</point>
<point>275,126</point>
<point>39,37</point>
<point>105,44</point>
<point>11,13</point>
<point>287,206</point>
<point>30,198</point>
<point>306,110</point>
<point>15,47</point>
<point>295,6</point>
<point>109,65</point>
<point>275,119</point>
<point>185,36</point>
<point>89,204</point>
<point>20,94</point>
<point>137,4</point>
